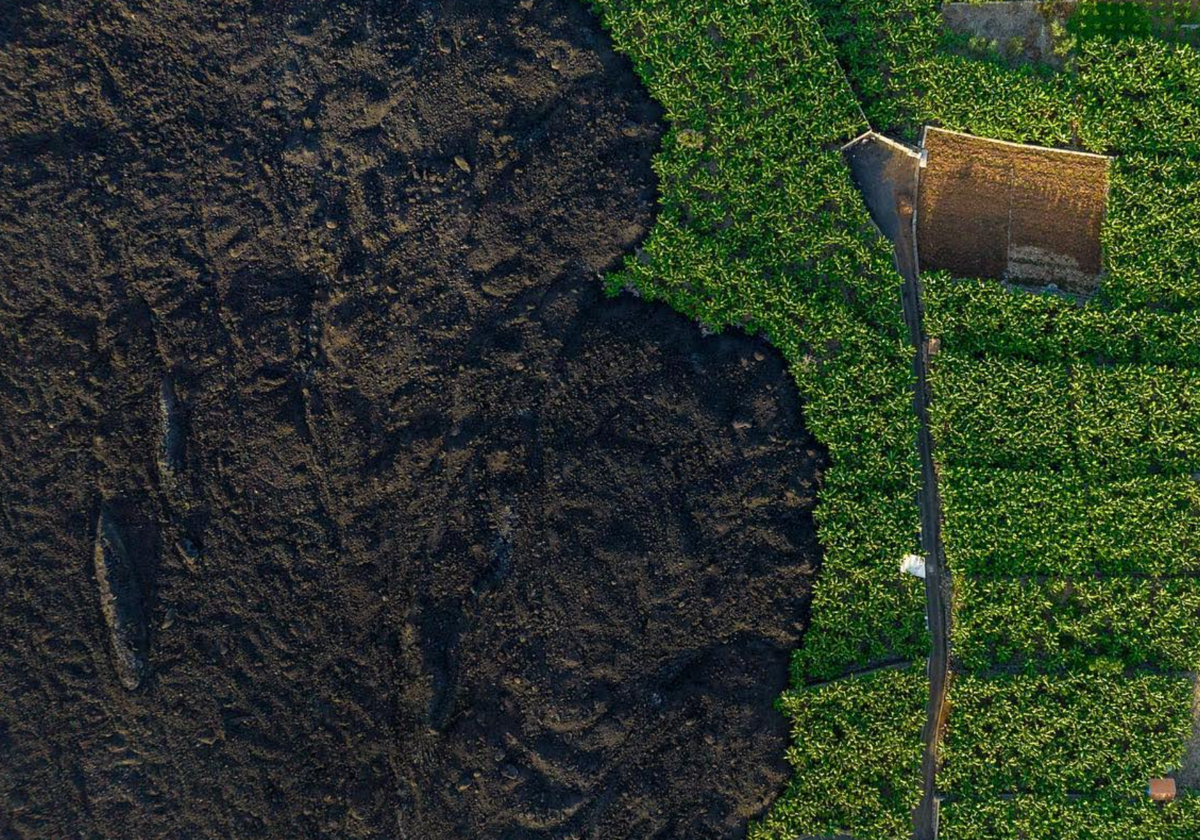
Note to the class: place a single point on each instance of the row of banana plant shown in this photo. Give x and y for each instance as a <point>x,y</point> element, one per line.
<point>981,317</point>
<point>1081,818</point>
<point>852,744</point>
<point>1005,523</point>
<point>1149,233</point>
<point>1051,624</point>
<point>1085,732</point>
<point>1105,420</point>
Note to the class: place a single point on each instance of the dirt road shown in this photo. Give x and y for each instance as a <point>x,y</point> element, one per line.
<point>937,584</point>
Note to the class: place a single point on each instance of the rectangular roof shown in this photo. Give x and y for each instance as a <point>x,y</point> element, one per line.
<point>992,208</point>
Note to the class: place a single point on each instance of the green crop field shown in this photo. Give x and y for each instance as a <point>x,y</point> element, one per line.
<point>1052,624</point>
<point>1114,19</point>
<point>1088,818</point>
<point>846,733</point>
<point>1066,431</point>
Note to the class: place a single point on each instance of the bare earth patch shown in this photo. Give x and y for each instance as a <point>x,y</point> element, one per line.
<point>407,531</point>
<point>1019,27</point>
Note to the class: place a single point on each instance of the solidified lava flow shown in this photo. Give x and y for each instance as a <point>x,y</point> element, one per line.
<point>430,539</point>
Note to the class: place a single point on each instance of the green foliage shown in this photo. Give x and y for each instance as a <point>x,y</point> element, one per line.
<point>1108,421</point>
<point>1133,420</point>
<point>1091,818</point>
<point>1003,523</point>
<point>864,609</point>
<point>750,72</point>
<point>1105,453</point>
<point>981,317</point>
<point>1105,486</point>
<point>857,767</point>
<point>1149,234</point>
<point>1054,624</point>
<point>1070,733</point>
<point>1106,19</point>
<point>1001,412</point>
<point>1139,96</point>
<point>991,99</point>
<point>1117,19</point>
<point>876,41</point>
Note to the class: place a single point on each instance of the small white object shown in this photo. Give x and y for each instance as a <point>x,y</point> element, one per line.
<point>914,565</point>
<point>924,158</point>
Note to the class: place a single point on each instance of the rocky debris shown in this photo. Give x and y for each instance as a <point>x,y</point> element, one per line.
<point>120,602</point>
<point>171,440</point>
<point>189,553</point>
<point>500,565</point>
<point>1021,30</point>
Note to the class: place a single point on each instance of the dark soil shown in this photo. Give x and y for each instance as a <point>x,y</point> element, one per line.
<point>430,539</point>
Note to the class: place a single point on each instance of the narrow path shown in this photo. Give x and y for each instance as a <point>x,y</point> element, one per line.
<point>887,174</point>
<point>937,581</point>
<point>859,673</point>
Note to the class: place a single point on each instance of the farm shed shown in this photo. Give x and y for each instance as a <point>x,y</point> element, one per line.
<point>1031,215</point>
<point>1162,790</point>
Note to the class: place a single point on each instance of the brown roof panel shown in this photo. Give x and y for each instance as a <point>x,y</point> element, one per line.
<point>1162,790</point>
<point>987,208</point>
